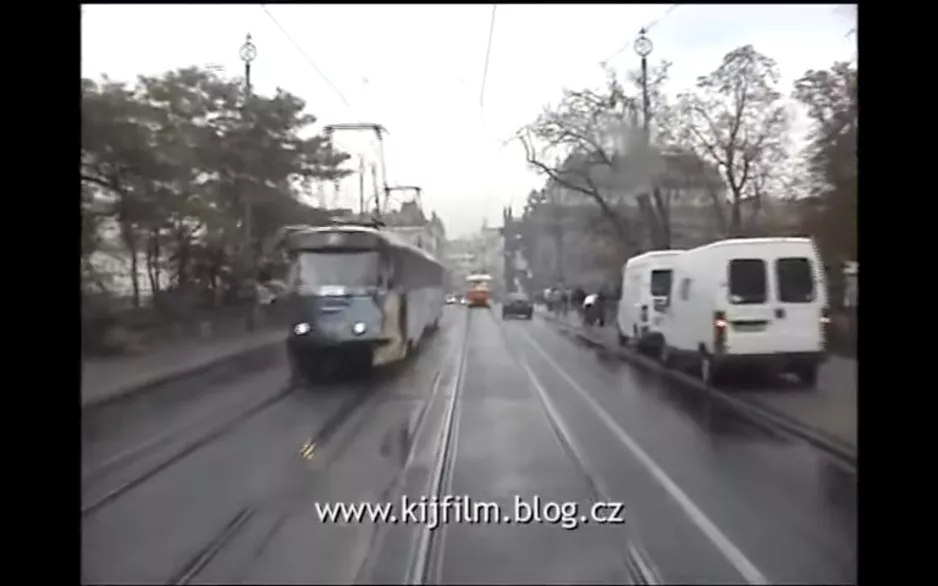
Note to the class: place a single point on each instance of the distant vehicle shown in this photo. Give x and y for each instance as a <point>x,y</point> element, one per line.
<point>451,299</point>
<point>357,294</point>
<point>750,301</point>
<point>646,288</point>
<point>517,304</point>
<point>479,294</point>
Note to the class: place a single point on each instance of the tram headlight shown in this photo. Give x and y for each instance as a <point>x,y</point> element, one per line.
<point>301,329</point>
<point>359,328</point>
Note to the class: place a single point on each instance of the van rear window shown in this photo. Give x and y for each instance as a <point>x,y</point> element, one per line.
<point>661,283</point>
<point>747,281</point>
<point>795,280</point>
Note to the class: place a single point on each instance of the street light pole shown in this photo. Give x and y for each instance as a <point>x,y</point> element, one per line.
<point>248,53</point>
<point>643,47</point>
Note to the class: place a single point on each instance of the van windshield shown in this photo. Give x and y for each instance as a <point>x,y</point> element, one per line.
<point>747,281</point>
<point>795,281</point>
<point>661,283</point>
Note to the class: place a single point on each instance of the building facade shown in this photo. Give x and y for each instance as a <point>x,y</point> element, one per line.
<point>411,224</point>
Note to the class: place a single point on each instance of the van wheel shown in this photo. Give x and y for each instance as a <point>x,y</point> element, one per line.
<point>808,375</point>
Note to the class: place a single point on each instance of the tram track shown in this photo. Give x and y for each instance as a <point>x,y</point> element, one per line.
<point>129,456</point>
<point>134,455</point>
<point>328,443</point>
<point>426,561</point>
<point>635,558</point>
<point>427,558</point>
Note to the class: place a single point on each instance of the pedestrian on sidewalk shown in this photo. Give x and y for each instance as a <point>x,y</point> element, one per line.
<point>555,301</point>
<point>589,309</point>
<point>601,299</point>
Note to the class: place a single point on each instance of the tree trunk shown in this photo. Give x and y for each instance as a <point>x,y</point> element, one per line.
<point>130,241</point>
<point>736,219</point>
<point>153,263</point>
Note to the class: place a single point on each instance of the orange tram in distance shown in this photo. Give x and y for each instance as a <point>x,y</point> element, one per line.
<point>479,294</point>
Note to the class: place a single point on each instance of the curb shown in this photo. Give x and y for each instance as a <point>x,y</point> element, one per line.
<point>132,390</point>
<point>758,413</point>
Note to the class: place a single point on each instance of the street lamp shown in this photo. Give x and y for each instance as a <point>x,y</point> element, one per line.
<point>644,46</point>
<point>248,53</point>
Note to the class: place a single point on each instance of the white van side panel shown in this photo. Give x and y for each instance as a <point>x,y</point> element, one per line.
<point>682,329</point>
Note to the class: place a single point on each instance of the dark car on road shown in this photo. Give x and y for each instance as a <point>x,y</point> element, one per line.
<point>518,305</point>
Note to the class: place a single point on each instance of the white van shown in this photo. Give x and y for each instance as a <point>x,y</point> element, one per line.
<point>646,286</point>
<point>748,301</point>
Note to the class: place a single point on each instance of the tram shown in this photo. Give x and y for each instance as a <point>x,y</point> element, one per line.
<point>357,295</point>
<point>479,293</point>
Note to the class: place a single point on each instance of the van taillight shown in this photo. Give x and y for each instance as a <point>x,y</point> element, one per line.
<point>719,331</point>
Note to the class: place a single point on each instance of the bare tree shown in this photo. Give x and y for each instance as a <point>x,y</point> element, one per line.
<point>832,100</point>
<point>576,145</point>
<point>736,119</point>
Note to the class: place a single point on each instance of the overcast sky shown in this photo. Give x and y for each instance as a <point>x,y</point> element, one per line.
<point>418,69</point>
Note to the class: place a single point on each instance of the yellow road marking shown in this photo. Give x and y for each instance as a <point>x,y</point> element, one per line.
<point>308,450</point>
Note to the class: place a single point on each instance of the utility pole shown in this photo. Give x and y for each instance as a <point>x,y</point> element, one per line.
<point>557,217</point>
<point>376,188</point>
<point>379,131</point>
<point>361,186</point>
<point>248,53</point>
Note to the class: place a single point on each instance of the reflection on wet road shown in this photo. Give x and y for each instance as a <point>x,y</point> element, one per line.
<point>708,496</point>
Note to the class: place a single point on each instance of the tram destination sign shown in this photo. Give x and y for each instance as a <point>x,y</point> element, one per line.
<point>333,239</point>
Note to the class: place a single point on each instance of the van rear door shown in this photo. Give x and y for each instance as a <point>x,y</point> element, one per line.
<point>799,301</point>
<point>749,316</point>
<point>660,290</point>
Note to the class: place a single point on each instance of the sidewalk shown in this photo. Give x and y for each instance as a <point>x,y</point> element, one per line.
<point>831,409</point>
<point>104,379</point>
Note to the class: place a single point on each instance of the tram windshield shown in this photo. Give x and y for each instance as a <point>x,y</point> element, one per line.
<point>336,269</point>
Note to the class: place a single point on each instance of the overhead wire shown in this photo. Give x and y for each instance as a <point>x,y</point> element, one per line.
<point>487,205</point>
<point>321,74</point>
<point>488,55</point>
<point>312,64</point>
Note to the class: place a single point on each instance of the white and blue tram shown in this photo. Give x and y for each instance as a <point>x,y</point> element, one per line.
<point>357,294</point>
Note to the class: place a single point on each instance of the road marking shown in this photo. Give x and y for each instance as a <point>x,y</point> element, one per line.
<point>733,554</point>
<point>308,450</point>
<point>647,573</point>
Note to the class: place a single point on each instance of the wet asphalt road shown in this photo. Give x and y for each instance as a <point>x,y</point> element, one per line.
<point>708,497</point>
